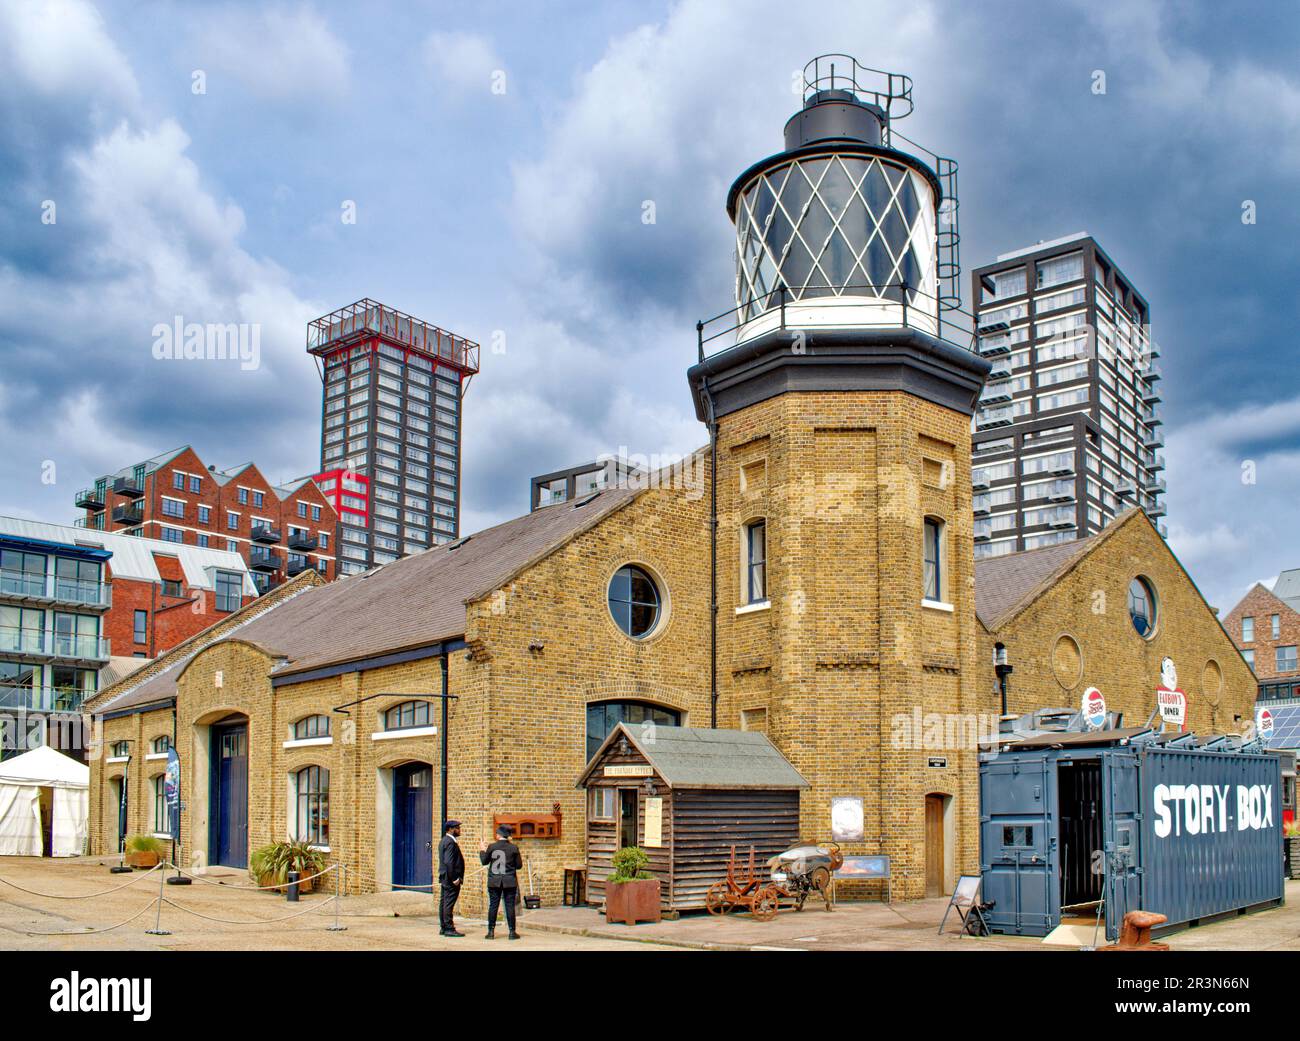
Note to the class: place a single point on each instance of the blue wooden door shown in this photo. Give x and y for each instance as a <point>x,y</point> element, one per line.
<point>413,826</point>
<point>228,830</point>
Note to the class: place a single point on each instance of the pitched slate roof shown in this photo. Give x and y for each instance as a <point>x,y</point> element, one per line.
<point>420,600</point>
<point>1003,583</point>
<point>695,757</point>
<point>155,681</point>
<point>416,601</point>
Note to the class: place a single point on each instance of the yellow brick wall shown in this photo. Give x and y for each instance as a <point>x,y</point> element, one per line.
<point>1089,606</point>
<point>846,649</point>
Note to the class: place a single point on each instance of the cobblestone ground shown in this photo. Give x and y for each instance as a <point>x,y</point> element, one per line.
<point>247,920</point>
<point>78,912</point>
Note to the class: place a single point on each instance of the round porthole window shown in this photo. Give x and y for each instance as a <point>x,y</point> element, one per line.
<point>634,601</point>
<point>1142,607</point>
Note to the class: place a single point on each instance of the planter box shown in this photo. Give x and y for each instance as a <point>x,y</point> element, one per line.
<point>632,902</point>
<point>303,887</point>
<point>142,859</point>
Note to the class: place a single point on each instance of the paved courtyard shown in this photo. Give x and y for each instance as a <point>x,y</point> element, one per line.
<point>81,903</point>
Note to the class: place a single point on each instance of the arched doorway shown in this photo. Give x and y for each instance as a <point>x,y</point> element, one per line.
<point>228,793</point>
<point>413,826</point>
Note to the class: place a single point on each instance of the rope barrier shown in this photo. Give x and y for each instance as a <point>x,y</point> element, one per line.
<point>82,896</point>
<point>93,932</point>
<point>247,889</point>
<point>260,921</point>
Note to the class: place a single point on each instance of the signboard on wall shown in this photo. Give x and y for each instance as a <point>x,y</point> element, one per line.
<point>654,822</point>
<point>1093,707</point>
<point>1171,702</point>
<point>631,770</point>
<point>846,818</point>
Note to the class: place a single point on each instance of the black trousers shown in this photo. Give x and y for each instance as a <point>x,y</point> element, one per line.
<point>495,897</point>
<point>447,906</point>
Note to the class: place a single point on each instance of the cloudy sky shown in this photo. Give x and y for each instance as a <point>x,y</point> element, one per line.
<point>201,159</point>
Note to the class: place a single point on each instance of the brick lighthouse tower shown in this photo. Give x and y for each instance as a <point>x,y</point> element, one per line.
<point>839,394</point>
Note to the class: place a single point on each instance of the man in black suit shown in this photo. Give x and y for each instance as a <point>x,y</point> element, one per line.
<point>451,873</point>
<point>503,860</point>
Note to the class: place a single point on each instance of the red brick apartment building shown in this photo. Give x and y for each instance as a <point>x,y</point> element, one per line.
<point>1265,626</point>
<point>279,530</point>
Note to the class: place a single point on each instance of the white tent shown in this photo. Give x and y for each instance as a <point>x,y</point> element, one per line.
<point>68,802</point>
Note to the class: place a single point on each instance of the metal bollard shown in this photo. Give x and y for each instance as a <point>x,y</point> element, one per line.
<point>291,890</point>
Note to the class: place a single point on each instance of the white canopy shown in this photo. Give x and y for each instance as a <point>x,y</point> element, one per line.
<point>21,781</point>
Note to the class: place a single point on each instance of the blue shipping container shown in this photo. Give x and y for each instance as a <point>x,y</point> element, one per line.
<point>1070,819</point>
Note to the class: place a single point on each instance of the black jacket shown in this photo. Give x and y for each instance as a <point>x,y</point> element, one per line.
<point>451,862</point>
<point>503,860</point>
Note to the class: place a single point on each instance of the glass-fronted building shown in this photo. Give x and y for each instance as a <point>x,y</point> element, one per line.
<point>390,430</point>
<point>1067,435</point>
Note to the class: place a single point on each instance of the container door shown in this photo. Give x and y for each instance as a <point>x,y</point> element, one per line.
<point>1017,844</point>
<point>1121,812</point>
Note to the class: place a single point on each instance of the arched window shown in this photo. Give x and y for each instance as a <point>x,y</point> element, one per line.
<point>161,744</point>
<point>754,589</point>
<point>606,715</point>
<point>312,797</point>
<point>1142,606</point>
<point>634,601</point>
<point>311,726</point>
<point>932,556</point>
<point>407,715</point>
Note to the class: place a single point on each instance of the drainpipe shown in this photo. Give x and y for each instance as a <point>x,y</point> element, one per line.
<point>443,661</point>
<point>713,552</point>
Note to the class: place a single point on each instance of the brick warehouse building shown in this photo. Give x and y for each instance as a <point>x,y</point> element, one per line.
<point>279,530</point>
<point>77,608</point>
<point>1265,625</point>
<point>831,509</point>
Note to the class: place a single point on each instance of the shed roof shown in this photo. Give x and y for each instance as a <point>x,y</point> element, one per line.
<point>697,757</point>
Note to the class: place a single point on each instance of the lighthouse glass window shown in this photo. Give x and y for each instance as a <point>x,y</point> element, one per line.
<point>828,226</point>
<point>634,601</point>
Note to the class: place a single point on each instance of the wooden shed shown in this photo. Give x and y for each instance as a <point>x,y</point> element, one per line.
<point>686,795</point>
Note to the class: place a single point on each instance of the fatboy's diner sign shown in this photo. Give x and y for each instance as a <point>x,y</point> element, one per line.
<point>1170,701</point>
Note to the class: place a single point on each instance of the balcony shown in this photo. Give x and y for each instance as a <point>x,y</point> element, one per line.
<point>1154,485</point>
<point>1153,439</point>
<point>1151,370</point>
<point>1151,395</point>
<point>260,559</point>
<point>90,499</point>
<point>297,565</point>
<point>41,699</point>
<point>265,533</point>
<point>994,348</point>
<point>1125,487</point>
<point>982,535</point>
<point>53,589</point>
<point>981,511</point>
<point>1155,461</point>
<point>994,417</point>
<point>128,513</point>
<point>1001,370</point>
<point>1156,510</point>
<point>131,487</point>
<point>302,541</point>
<point>996,393</point>
<point>36,643</point>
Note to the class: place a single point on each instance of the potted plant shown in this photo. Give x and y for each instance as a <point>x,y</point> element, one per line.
<point>143,851</point>
<point>631,892</point>
<point>270,865</point>
<point>1291,847</point>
